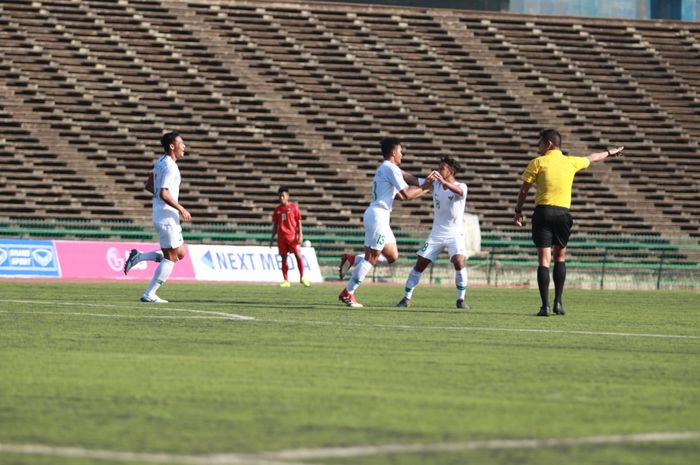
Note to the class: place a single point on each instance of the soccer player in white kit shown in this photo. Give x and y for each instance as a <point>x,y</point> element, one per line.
<point>447,233</point>
<point>389,183</point>
<point>165,187</point>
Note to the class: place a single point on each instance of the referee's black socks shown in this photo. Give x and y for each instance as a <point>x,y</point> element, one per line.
<point>559,276</point>
<point>543,284</point>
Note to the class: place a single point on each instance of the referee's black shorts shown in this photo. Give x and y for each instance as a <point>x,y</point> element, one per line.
<point>551,226</point>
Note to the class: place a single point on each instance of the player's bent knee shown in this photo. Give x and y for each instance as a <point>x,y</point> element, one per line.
<point>372,255</point>
<point>174,255</point>
<point>390,255</point>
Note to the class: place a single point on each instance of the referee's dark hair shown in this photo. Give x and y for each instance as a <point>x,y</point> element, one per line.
<point>283,189</point>
<point>552,135</point>
<point>452,163</point>
<point>167,139</point>
<point>388,144</point>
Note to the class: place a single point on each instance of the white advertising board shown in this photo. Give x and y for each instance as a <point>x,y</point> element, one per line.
<point>249,263</point>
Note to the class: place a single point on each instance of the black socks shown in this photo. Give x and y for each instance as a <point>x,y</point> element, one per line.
<point>543,284</point>
<point>559,276</point>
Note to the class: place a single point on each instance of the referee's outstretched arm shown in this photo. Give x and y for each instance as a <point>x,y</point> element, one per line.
<point>600,156</point>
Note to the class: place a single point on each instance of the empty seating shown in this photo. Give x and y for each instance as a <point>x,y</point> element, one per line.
<point>274,93</point>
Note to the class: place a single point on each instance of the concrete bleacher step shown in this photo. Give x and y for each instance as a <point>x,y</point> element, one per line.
<point>278,91</point>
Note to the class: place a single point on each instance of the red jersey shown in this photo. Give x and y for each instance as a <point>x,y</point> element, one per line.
<point>287,218</point>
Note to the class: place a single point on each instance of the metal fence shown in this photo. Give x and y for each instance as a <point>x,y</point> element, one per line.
<point>507,258</point>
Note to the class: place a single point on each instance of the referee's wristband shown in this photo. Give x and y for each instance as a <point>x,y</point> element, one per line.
<point>608,150</point>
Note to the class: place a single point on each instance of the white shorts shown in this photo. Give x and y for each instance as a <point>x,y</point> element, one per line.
<point>378,231</point>
<point>169,235</point>
<point>433,246</point>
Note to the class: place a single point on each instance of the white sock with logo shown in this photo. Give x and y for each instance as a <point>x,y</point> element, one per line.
<point>461,283</point>
<point>160,276</point>
<point>358,275</point>
<point>411,283</point>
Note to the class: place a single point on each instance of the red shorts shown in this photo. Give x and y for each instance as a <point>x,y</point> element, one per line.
<point>287,245</point>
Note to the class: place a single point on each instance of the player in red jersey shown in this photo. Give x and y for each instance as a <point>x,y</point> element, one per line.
<point>286,225</point>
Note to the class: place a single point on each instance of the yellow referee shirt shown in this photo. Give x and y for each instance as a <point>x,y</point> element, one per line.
<point>553,173</point>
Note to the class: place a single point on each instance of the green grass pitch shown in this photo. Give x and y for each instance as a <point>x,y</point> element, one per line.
<point>90,375</point>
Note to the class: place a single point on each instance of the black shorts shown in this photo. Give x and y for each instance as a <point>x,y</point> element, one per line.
<point>551,226</point>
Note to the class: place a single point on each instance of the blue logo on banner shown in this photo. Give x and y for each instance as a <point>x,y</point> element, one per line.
<point>28,258</point>
<point>206,258</point>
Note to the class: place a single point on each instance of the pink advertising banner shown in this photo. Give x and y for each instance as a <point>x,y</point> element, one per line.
<point>105,260</point>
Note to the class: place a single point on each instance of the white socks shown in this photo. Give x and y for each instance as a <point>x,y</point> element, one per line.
<point>160,276</point>
<point>461,283</point>
<point>155,256</point>
<point>358,275</point>
<point>411,283</point>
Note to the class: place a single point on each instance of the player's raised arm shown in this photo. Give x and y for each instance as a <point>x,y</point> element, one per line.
<point>451,186</point>
<point>410,179</point>
<point>413,192</point>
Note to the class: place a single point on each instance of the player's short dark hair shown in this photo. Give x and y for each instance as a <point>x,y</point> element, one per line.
<point>388,144</point>
<point>551,135</point>
<point>452,163</point>
<point>167,139</point>
<point>282,189</point>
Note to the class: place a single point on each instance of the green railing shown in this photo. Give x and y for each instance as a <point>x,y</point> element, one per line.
<point>507,257</point>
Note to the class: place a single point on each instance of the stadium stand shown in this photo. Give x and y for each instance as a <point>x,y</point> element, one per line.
<point>298,93</point>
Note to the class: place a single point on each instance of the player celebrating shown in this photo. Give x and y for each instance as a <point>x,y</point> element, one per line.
<point>164,184</point>
<point>449,199</point>
<point>389,183</point>
<point>286,220</point>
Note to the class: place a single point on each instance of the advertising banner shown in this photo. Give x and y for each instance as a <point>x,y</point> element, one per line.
<point>250,263</point>
<point>26,258</point>
<point>105,260</point>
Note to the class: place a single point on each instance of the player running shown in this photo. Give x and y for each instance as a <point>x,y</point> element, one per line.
<point>164,184</point>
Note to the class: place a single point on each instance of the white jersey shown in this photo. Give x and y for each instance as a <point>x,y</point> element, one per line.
<point>166,174</point>
<point>448,216</point>
<point>388,181</point>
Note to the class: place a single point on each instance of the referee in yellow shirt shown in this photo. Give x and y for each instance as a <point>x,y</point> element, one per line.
<point>553,173</point>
